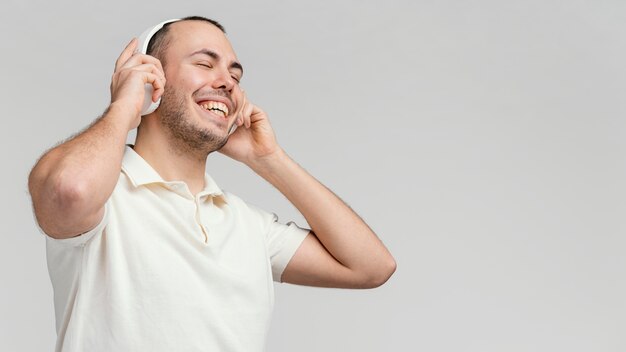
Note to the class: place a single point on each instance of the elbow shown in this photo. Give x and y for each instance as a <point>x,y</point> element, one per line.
<point>65,191</point>
<point>387,271</point>
<point>381,275</point>
<point>55,193</point>
<point>53,181</point>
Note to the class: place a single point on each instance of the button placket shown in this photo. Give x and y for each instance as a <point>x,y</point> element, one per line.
<point>198,217</point>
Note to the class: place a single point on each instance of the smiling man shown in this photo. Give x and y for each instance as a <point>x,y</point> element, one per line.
<point>145,251</point>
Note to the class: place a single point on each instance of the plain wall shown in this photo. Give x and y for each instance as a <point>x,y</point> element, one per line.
<point>482,140</point>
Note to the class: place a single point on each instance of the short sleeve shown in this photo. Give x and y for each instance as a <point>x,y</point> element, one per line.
<point>283,240</point>
<point>82,239</point>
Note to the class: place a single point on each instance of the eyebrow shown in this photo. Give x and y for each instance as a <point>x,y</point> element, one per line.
<point>215,56</point>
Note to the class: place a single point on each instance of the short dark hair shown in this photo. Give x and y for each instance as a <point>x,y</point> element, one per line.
<point>160,41</point>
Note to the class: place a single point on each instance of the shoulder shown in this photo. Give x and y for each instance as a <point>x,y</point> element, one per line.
<point>247,209</point>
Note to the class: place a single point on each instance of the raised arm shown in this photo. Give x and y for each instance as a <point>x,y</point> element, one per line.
<point>341,250</point>
<point>70,184</point>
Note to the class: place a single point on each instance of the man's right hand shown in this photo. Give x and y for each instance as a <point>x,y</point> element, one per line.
<point>133,71</point>
<point>71,183</point>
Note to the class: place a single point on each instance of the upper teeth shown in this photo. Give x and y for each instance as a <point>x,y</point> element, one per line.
<point>216,107</point>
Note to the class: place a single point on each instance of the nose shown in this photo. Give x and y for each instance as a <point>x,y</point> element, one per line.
<point>223,80</point>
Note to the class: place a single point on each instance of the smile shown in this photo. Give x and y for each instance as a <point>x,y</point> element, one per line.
<point>216,107</point>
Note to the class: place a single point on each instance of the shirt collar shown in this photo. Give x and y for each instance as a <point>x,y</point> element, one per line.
<point>141,173</point>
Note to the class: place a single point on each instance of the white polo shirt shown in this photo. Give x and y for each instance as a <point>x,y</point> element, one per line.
<point>167,271</point>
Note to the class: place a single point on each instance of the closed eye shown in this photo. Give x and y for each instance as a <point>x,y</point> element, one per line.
<point>207,65</point>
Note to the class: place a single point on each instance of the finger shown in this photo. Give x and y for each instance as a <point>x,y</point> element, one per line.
<point>158,70</point>
<point>147,74</point>
<point>248,109</point>
<point>241,119</point>
<point>126,53</point>
<point>140,59</point>
<point>158,85</point>
<point>156,61</point>
<point>242,106</point>
<point>148,67</point>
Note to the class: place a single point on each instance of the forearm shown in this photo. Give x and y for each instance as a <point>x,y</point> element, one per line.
<point>342,232</point>
<point>78,176</point>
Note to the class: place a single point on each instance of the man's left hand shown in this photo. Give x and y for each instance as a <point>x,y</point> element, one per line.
<point>254,139</point>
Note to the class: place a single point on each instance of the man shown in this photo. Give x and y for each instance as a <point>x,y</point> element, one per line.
<point>156,257</point>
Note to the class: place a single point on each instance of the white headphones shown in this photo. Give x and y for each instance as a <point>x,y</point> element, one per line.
<point>142,47</point>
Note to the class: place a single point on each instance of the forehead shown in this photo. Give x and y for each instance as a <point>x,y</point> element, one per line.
<point>187,37</point>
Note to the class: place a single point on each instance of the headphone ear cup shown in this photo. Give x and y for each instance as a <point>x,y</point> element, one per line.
<point>142,47</point>
<point>148,105</point>
<point>233,128</point>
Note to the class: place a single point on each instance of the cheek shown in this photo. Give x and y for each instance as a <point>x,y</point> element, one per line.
<point>186,79</point>
<point>194,80</point>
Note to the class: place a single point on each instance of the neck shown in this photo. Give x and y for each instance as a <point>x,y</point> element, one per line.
<point>170,160</point>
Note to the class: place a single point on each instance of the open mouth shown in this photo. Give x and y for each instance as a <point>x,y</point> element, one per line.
<point>216,107</point>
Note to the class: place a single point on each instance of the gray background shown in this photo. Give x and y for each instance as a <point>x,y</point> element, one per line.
<point>482,140</point>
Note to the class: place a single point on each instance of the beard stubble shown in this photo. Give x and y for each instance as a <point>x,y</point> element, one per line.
<point>187,136</point>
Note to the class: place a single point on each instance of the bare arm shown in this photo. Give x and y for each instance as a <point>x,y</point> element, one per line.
<point>70,184</point>
<point>341,250</point>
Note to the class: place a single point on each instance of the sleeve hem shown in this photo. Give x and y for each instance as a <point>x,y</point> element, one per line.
<point>82,238</point>
<point>290,245</point>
